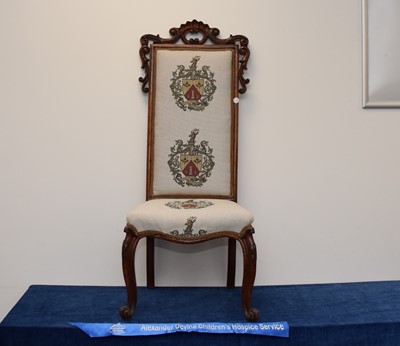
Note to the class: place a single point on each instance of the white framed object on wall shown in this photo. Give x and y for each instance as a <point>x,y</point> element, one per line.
<point>381,53</point>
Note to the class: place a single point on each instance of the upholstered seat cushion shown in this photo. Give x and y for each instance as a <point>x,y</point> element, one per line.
<point>185,217</point>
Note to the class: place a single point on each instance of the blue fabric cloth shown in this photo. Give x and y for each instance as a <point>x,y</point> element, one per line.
<point>99,330</point>
<point>330,314</point>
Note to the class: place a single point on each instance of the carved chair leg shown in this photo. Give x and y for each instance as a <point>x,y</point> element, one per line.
<point>128,267</point>
<point>230,282</point>
<point>249,274</point>
<point>150,261</point>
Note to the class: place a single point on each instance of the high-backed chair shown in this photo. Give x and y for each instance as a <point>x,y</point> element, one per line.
<point>194,79</point>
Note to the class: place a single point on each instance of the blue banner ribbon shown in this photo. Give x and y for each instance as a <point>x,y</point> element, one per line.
<point>95,330</point>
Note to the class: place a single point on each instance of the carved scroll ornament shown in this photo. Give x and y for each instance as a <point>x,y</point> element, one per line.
<point>184,33</point>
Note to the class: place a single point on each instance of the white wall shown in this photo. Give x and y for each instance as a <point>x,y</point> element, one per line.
<point>320,174</point>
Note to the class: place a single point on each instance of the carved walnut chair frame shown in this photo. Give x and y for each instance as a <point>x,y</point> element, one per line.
<point>195,35</point>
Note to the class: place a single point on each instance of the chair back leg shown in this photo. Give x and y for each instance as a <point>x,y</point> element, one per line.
<point>150,262</point>
<point>230,282</point>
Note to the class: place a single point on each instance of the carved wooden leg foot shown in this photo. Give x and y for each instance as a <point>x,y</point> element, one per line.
<point>128,267</point>
<point>126,313</point>
<point>249,274</point>
<point>252,314</point>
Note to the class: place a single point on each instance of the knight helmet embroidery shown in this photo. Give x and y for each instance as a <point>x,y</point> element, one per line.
<point>191,164</point>
<point>188,231</point>
<point>193,88</point>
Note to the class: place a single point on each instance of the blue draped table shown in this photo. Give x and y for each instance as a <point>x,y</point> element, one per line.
<point>328,314</point>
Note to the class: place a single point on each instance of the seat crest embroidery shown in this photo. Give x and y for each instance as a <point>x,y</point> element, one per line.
<point>189,204</point>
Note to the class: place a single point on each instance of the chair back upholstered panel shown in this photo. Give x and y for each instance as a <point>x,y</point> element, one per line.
<point>193,110</point>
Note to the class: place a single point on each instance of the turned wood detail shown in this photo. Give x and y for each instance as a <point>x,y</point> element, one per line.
<point>184,33</point>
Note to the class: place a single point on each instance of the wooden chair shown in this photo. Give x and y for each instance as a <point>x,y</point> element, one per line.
<point>194,79</point>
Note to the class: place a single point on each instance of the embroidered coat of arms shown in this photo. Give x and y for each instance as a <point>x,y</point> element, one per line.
<point>191,87</point>
<point>189,204</point>
<point>191,164</point>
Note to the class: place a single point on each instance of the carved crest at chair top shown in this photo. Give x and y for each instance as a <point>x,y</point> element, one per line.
<point>184,33</point>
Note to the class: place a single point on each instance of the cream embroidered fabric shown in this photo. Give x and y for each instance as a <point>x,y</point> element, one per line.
<point>189,217</point>
<point>172,123</point>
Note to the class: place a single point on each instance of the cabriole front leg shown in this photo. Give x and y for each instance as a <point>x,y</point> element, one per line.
<point>128,267</point>
<point>249,274</point>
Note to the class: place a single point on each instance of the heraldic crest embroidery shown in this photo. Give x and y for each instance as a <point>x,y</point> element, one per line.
<point>193,88</point>
<point>191,164</point>
<point>189,204</point>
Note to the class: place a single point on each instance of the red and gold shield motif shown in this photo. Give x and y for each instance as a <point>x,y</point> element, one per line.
<point>191,165</point>
<point>193,89</point>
